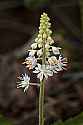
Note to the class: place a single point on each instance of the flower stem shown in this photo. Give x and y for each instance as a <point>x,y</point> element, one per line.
<point>44,54</point>
<point>41,103</point>
<point>41,96</point>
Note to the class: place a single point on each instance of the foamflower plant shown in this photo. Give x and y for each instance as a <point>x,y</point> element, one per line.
<point>44,59</point>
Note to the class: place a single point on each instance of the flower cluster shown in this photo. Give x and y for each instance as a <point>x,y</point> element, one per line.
<point>44,58</point>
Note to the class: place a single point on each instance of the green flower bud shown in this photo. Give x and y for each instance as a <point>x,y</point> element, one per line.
<point>40,40</point>
<point>44,36</point>
<point>36,40</point>
<point>44,31</point>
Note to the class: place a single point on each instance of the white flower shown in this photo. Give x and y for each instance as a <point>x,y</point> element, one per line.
<point>53,64</point>
<point>43,71</point>
<point>32,52</point>
<point>57,65</point>
<point>30,62</point>
<point>34,46</point>
<point>56,50</point>
<point>62,63</point>
<point>24,82</point>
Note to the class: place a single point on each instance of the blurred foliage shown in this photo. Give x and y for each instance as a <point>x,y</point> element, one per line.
<point>78,120</point>
<point>34,3</point>
<point>4,121</point>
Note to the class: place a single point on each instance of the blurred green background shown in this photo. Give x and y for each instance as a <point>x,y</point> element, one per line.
<point>19,21</point>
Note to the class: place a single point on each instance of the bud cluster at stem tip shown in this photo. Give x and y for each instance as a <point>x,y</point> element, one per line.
<point>44,31</point>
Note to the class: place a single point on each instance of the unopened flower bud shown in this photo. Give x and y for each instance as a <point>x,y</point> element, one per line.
<point>39,36</point>
<point>44,36</point>
<point>40,40</point>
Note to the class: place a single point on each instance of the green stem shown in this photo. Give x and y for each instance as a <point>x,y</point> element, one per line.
<point>41,96</point>
<point>44,54</point>
<point>41,103</point>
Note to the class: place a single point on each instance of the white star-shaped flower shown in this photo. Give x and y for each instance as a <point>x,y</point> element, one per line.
<point>57,65</point>
<point>24,82</point>
<point>43,71</point>
<point>62,63</point>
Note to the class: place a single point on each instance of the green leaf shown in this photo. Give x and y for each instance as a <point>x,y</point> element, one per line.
<point>59,123</point>
<point>78,120</point>
<point>34,3</point>
<point>4,121</point>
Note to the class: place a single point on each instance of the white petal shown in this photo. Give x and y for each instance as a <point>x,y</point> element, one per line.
<point>50,73</point>
<point>40,76</point>
<point>55,71</point>
<point>55,50</point>
<point>35,71</point>
<point>32,52</point>
<point>39,52</point>
<point>26,88</point>
<point>39,66</point>
<point>39,45</point>
<point>59,67</point>
<point>46,76</point>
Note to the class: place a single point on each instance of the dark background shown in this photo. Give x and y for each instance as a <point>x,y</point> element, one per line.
<point>19,21</point>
